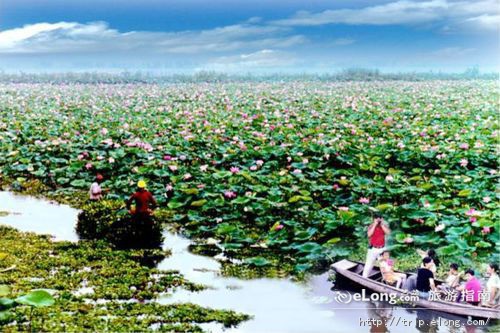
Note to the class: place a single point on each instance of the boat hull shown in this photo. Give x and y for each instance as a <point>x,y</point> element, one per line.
<point>347,268</point>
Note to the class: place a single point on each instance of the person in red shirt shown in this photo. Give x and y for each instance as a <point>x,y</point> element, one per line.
<point>377,231</point>
<point>141,230</point>
<point>143,199</point>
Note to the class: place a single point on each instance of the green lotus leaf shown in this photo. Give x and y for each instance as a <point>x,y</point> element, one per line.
<point>36,298</point>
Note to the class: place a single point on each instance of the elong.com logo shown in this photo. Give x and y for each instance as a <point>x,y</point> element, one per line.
<point>391,298</point>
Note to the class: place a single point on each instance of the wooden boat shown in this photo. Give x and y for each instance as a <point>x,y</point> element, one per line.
<point>353,272</point>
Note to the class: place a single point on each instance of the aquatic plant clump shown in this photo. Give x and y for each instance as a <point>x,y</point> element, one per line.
<point>91,287</point>
<point>297,167</point>
<point>108,220</point>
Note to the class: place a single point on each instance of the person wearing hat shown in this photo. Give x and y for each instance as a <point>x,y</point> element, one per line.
<point>95,192</point>
<point>142,230</point>
<point>143,199</point>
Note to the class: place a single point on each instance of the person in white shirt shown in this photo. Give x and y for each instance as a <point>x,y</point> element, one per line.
<point>493,284</point>
<point>95,192</point>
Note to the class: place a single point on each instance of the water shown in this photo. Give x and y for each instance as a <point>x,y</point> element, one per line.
<point>27,213</point>
<point>278,305</point>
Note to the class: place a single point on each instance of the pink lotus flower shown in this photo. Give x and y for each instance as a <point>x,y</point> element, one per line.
<point>344,209</point>
<point>104,131</point>
<point>486,230</point>
<point>464,146</point>
<point>204,168</point>
<point>229,194</point>
<point>335,186</point>
<point>88,166</point>
<point>169,187</point>
<point>389,178</point>
<point>486,199</point>
<point>463,162</point>
<point>297,171</point>
<point>186,176</point>
<point>427,204</point>
<point>167,157</point>
<point>408,240</point>
<point>253,167</point>
<point>234,170</point>
<point>473,219</point>
<point>279,227</point>
<point>259,162</point>
<point>80,157</point>
<point>172,167</point>
<point>364,200</point>
<point>472,212</point>
<point>111,160</point>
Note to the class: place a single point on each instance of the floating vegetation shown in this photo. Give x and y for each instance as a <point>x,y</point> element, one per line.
<point>95,288</point>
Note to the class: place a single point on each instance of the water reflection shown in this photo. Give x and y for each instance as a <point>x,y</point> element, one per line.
<point>383,313</point>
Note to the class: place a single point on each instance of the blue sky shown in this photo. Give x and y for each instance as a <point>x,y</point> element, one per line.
<point>248,36</point>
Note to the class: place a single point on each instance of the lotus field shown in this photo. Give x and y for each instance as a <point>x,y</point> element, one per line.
<point>274,169</point>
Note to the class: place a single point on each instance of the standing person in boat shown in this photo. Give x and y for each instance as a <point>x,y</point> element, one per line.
<point>95,192</point>
<point>376,233</point>
<point>425,278</point>
<point>493,284</point>
<point>470,291</point>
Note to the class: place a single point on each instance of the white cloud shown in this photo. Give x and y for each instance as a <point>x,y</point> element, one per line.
<point>401,12</point>
<point>263,59</point>
<point>485,22</point>
<point>67,37</point>
<point>9,38</point>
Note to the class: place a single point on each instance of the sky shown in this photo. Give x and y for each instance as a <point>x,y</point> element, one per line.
<point>245,36</point>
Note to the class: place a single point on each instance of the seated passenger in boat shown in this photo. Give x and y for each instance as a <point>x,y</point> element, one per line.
<point>387,269</point>
<point>493,285</point>
<point>425,278</point>
<point>469,292</point>
<point>431,253</point>
<point>452,280</point>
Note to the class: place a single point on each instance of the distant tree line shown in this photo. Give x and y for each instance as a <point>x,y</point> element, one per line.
<point>351,74</point>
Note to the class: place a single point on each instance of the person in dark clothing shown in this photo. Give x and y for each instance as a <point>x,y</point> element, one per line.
<point>425,278</point>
